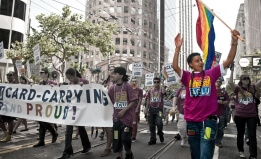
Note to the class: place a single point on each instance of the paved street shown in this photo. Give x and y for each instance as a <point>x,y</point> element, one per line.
<point>21,145</point>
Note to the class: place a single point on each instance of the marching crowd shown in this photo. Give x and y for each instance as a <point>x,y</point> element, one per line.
<point>199,123</point>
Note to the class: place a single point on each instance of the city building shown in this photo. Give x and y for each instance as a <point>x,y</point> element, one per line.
<point>14,17</point>
<point>137,39</point>
<point>185,29</point>
<point>241,48</point>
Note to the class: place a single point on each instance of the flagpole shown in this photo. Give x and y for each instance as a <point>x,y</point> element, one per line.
<point>220,19</point>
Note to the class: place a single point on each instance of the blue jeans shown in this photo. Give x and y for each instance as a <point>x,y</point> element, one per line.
<point>220,130</point>
<point>155,119</point>
<point>201,137</point>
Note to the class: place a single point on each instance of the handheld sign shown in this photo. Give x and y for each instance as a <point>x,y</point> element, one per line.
<point>137,69</point>
<point>2,50</point>
<point>37,56</point>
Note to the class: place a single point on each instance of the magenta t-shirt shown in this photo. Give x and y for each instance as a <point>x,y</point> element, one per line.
<point>198,109</point>
<point>121,96</point>
<point>222,95</point>
<point>139,94</point>
<point>244,107</point>
<point>181,94</point>
<point>156,98</point>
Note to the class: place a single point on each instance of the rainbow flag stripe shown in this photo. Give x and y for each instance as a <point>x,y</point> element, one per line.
<point>205,34</point>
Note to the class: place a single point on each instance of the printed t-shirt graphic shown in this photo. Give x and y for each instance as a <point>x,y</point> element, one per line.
<point>245,100</point>
<point>206,87</point>
<point>120,100</point>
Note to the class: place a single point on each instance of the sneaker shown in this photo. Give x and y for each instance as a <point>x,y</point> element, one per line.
<point>101,135</point>
<point>177,137</point>
<point>118,157</point>
<point>219,145</point>
<point>183,141</point>
<point>247,142</point>
<point>75,137</point>
<point>4,135</point>
<point>86,150</point>
<point>64,156</point>
<point>24,130</point>
<point>39,144</point>
<point>106,153</point>
<point>6,138</point>
<point>242,155</point>
<point>161,137</point>
<point>133,140</point>
<point>54,138</point>
<point>129,156</point>
<point>152,142</point>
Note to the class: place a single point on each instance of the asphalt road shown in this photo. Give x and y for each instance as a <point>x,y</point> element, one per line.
<point>21,145</point>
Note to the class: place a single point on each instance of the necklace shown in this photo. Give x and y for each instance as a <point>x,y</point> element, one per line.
<point>191,84</point>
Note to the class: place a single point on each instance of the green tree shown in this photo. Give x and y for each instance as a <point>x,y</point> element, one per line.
<point>62,36</point>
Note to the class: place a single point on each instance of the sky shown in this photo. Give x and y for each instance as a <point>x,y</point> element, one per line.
<point>225,9</point>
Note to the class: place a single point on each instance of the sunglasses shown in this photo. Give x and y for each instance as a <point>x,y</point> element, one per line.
<point>9,75</point>
<point>42,72</point>
<point>156,81</point>
<point>134,81</point>
<point>245,78</point>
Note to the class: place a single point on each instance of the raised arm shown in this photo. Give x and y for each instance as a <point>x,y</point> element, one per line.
<point>233,49</point>
<point>175,62</point>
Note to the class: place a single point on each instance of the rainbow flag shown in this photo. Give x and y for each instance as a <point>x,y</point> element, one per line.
<point>205,34</point>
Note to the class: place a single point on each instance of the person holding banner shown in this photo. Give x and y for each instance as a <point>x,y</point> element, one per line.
<point>124,100</point>
<point>74,77</point>
<point>45,74</point>
<point>139,94</point>
<point>23,80</point>
<point>201,116</point>
<point>108,130</point>
<point>12,79</point>
<point>154,109</point>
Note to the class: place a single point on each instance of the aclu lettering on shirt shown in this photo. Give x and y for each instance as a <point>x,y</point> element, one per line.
<point>154,99</point>
<point>206,88</point>
<point>245,100</point>
<point>121,100</point>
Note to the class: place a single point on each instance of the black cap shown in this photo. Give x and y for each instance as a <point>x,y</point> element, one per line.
<point>120,70</point>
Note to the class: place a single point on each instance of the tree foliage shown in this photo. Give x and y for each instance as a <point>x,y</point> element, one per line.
<point>62,36</point>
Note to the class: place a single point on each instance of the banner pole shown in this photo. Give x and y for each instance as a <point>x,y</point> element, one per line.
<point>220,19</point>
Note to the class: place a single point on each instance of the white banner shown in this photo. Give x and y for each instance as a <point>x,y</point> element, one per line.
<point>2,50</point>
<point>88,105</point>
<point>37,56</point>
<point>149,79</point>
<point>170,75</point>
<point>137,69</point>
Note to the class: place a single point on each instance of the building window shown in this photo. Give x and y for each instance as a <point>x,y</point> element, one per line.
<point>125,41</point>
<point>119,1</point>
<point>133,20</point>
<point>139,21</point>
<point>99,2</point>
<point>145,23</point>
<point>125,31</point>
<point>87,64</point>
<point>132,42</point>
<point>145,64</point>
<point>119,9</point>
<point>6,7</point>
<point>4,36</point>
<point>138,53</point>
<point>124,52</point>
<point>125,20</point>
<point>139,43</point>
<point>117,52</point>
<point>117,41</point>
<point>144,44</point>
<point>126,9</point>
<point>133,10</point>
<point>144,54</point>
<point>126,1</point>
<point>132,52</point>
<point>111,9</point>
<point>150,25</point>
<point>17,36</point>
<point>20,9</point>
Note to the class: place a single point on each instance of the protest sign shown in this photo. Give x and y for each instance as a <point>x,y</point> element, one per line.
<point>137,69</point>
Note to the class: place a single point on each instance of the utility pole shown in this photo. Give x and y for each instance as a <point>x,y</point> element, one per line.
<point>162,36</point>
